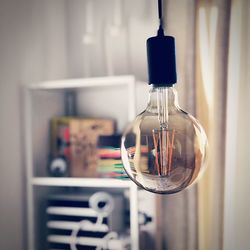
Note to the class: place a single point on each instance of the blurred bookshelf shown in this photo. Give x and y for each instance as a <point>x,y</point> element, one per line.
<point>46,100</point>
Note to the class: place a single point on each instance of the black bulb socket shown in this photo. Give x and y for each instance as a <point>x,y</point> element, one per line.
<point>161,60</point>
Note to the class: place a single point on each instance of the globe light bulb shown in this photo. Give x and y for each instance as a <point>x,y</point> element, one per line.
<point>164,148</point>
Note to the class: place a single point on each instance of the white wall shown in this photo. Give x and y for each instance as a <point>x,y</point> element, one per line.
<point>11,193</point>
<point>41,40</point>
<point>29,51</point>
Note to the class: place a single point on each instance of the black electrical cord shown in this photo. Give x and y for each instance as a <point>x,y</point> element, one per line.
<point>160,9</point>
<point>161,29</point>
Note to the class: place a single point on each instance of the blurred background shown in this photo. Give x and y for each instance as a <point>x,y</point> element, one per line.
<point>50,40</point>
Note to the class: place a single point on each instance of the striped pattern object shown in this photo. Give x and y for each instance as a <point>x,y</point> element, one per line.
<point>109,158</point>
<point>72,224</point>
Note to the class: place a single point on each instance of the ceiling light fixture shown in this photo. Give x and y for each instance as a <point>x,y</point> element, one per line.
<point>164,148</point>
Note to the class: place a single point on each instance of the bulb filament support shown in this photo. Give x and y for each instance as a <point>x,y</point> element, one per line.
<point>163,140</point>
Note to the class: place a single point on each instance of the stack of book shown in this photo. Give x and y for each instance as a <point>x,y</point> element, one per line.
<point>109,158</point>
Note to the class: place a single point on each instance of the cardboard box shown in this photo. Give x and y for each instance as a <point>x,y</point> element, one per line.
<point>83,144</point>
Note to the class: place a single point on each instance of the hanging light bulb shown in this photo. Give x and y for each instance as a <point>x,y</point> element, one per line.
<point>164,148</point>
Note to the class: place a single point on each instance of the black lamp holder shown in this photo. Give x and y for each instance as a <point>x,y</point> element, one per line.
<point>161,56</point>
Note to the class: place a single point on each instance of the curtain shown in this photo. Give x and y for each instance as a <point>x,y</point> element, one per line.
<point>211,86</point>
<point>237,201</point>
<point>194,218</point>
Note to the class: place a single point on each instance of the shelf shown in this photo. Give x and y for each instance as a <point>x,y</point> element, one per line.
<point>81,182</point>
<point>83,83</point>
<point>44,100</point>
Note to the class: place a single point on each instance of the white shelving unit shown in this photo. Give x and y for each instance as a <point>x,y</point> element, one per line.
<point>45,100</point>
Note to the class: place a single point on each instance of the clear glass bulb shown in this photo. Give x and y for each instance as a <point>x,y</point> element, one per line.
<point>164,148</point>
